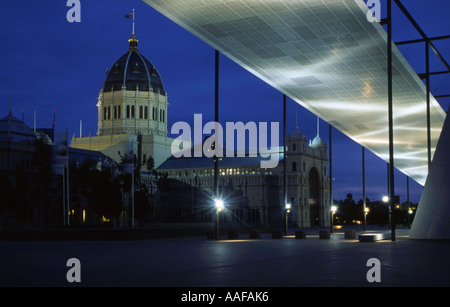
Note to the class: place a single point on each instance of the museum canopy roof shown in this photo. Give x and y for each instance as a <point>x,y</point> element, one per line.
<point>326,56</point>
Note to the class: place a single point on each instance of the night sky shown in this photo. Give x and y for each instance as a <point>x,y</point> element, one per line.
<point>61,66</point>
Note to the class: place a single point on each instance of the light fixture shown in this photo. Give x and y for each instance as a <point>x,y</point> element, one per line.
<point>288,210</point>
<point>385,199</point>
<point>219,204</point>
<point>333,209</point>
<point>288,207</point>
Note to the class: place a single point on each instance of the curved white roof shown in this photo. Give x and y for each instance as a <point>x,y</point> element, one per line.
<point>326,56</point>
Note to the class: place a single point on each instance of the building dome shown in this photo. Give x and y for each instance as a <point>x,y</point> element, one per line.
<point>16,131</point>
<point>133,71</point>
<point>316,142</point>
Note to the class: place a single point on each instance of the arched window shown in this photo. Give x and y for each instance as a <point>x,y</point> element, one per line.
<point>109,112</point>
<point>293,147</point>
<point>104,113</point>
<point>132,111</point>
<point>146,112</point>
<point>128,111</point>
<point>119,115</point>
<point>115,112</point>
<point>141,112</point>
<point>294,166</point>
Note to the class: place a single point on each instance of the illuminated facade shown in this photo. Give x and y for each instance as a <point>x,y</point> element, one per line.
<point>254,195</point>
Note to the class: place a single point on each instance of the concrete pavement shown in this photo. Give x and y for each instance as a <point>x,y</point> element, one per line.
<point>198,262</point>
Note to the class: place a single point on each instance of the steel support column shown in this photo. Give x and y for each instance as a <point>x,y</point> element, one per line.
<point>216,143</point>
<point>364,188</point>
<point>390,115</point>
<point>427,69</point>
<point>330,148</point>
<point>285,160</point>
<point>216,119</point>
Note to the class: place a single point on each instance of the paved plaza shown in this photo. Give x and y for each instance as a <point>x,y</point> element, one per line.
<point>200,262</point>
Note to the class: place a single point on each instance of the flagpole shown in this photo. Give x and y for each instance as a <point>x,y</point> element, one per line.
<point>133,21</point>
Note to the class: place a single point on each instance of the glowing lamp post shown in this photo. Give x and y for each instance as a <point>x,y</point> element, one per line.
<point>366,211</point>
<point>287,208</point>
<point>333,211</point>
<point>386,201</point>
<point>219,204</point>
<point>409,217</point>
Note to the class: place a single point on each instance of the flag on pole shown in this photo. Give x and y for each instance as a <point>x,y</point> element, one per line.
<point>131,15</point>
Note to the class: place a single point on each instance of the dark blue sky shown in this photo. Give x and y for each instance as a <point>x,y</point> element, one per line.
<point>61,66</point>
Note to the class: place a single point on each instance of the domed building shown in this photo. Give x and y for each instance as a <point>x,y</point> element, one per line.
<point>17,144</point>
<point>132,111</point>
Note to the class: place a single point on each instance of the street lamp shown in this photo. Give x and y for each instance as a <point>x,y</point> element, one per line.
<point>333,211</point>
<point>219,204</point>
<point>288,209</point>
<point>386,200</point>
<point>410,212</point>
<point>366,211</point>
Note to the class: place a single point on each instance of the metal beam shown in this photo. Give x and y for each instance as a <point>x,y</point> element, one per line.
<point>424,75</point>
<point>410,18</point>
<point>439,55</point>
<point>422,40</point>
<point>442,96</point>
<point>422,33</point>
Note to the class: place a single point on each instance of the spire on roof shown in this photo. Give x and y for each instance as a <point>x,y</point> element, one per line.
<point>317,141</point>
<point>133,40</point>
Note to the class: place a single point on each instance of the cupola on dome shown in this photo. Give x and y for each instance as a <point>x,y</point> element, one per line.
<point>132,71</point>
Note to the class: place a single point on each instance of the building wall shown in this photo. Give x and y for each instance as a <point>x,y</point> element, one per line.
<point>156,146</point>
<point>124,114</point>
<point>132,112</point>
<point>262,189</point>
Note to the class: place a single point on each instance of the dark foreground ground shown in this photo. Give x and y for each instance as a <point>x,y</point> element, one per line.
<point>198,262</point>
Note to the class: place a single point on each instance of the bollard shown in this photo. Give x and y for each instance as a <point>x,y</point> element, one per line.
<point>349,235</point>
<point>254,234</point>
<point>277,234</point>
<point>300,234</point>
<point>233,235</point>
<point>324,234</point>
